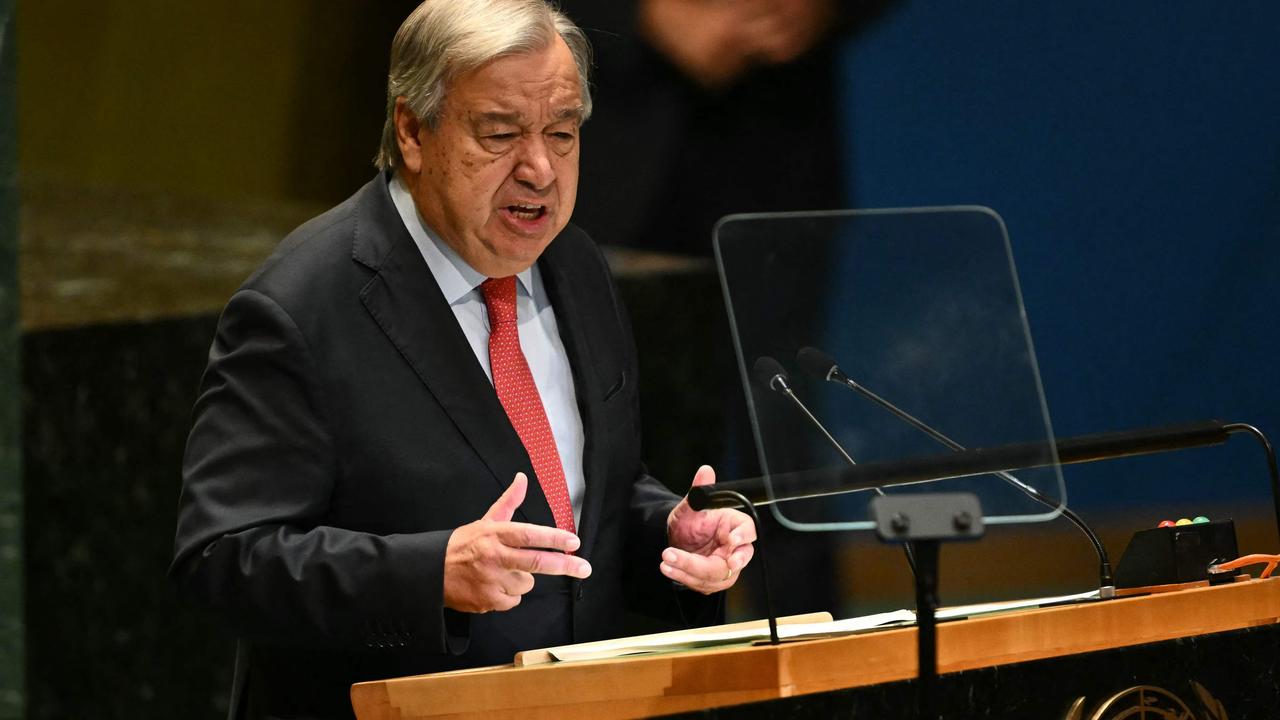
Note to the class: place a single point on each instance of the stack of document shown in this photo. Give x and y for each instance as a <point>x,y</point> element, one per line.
<point>800,627</point>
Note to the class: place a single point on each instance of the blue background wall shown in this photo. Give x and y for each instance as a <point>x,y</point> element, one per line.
<point>1133,150</point>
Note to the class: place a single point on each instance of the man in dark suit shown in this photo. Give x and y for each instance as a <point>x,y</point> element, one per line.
<point>416,446</point>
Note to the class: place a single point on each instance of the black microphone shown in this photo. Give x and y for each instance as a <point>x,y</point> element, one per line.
<point>824,367</point>
<point>819,364</point>
<point>769,373</point>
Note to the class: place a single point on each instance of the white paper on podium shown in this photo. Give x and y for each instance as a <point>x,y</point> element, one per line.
<point>709,637</point>
<point>962,611</point>
<point>624,647</point>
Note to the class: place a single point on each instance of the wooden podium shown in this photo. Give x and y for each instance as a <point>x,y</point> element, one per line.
<point>714,678</point>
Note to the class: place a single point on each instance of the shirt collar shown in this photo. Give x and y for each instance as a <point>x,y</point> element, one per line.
<point>455,277</point>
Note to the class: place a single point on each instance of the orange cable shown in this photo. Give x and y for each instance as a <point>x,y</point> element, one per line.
<point>1246,560</point>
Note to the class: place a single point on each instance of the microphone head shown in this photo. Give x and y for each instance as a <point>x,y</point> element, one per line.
<point>817,363</point>
<point>767,371</point>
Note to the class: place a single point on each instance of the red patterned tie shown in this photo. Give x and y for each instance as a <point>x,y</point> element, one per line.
<point>519,397</point>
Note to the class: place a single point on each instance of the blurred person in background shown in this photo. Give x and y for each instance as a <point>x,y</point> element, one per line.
<point>710,107</point>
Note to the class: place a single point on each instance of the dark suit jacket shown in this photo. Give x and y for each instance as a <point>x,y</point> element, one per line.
<point>344,428</point>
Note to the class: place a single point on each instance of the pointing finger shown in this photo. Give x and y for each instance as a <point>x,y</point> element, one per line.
<point>542,562</point>
<point>528,535</point>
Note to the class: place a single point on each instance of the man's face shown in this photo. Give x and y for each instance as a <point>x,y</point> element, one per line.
<point>498,176</point>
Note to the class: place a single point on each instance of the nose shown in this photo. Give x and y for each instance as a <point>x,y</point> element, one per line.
<point>533,164</point>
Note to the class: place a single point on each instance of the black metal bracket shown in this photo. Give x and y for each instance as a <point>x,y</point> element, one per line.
<point>926,521</point>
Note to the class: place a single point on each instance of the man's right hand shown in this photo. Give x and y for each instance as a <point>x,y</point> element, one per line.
<point>489,564</point>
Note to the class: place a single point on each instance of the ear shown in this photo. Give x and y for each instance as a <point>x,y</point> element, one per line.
<point>409,136</point>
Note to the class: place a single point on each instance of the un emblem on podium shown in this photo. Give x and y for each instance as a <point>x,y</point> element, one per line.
<point>1148,702</point>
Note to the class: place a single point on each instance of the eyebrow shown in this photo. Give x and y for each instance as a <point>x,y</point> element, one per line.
<point>508,118</point>
<point>514,118</point>
<point>570,113</point>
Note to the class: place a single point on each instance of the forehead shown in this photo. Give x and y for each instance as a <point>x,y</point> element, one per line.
<point>541,81</point>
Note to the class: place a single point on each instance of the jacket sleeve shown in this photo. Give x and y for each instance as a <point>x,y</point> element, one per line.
<point>259,470</point>
<point>653,593</point>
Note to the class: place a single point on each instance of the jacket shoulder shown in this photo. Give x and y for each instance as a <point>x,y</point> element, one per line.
<point>320,253</point>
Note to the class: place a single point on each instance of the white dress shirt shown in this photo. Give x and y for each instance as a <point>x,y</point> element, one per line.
<point>539,336</point>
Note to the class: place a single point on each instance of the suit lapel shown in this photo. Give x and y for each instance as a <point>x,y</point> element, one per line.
<point>407,304</point>
<point>570,308</point>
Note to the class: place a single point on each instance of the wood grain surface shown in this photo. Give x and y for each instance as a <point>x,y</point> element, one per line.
<point>654,685</point>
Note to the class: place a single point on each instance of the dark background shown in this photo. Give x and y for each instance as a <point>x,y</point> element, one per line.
<point>163,148</point>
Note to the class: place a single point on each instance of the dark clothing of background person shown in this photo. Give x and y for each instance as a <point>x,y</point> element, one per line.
<point>667,157</point>
<point>344,429</point>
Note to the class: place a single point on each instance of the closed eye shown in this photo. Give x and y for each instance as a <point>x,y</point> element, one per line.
<point>498,142</point>
<point>561,141</point>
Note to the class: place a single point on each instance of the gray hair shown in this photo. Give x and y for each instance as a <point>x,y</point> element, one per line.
<point>442,39</point>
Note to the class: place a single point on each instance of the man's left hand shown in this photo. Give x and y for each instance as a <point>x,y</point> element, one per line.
<point>709,548</point>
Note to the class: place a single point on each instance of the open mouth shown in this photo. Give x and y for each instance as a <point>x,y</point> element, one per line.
<point>527,212</point>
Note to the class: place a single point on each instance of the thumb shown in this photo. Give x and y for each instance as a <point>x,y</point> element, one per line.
<point>705,476</point>
<point>505,506</point>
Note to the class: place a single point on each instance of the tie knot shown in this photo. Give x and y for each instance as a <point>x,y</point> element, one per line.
<point>500,299</point>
